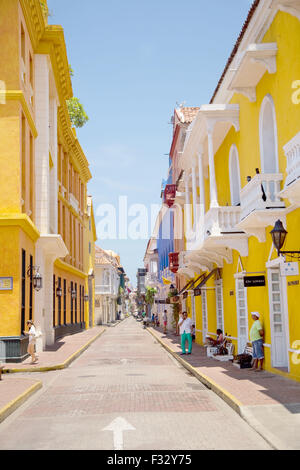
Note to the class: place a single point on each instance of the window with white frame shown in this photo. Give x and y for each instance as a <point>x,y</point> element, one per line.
<point>219,305</point>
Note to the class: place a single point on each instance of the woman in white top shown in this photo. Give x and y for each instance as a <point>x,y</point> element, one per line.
<point>32,341</point>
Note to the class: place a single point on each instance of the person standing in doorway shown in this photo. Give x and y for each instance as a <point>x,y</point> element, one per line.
<point>185,328</point>
<point>256,337</point>
<point>165,320</point>
<point>32,341</point>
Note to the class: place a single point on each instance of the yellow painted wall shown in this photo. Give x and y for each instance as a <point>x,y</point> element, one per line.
<point>285,31</point>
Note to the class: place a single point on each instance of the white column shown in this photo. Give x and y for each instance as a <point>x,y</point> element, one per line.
<point>212,175</point>
<point>53,173</point>
<point>187,209</point>
<point>42,142</point>
<point>194,188</point>
<point>201,179</point>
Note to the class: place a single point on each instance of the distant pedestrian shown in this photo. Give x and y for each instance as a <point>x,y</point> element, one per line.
<point>185,327</point>
<point>165,320</point>
<point>153,319</point>
<point>256,337</point>
<point>32,341</point>
<point>156,320</point>
<point>193,333</point>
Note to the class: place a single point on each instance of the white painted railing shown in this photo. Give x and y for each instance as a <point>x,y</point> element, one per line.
<point>221,219</point>
<point>292,153</point>
<point>261,193</point>
<point>103,289</point>
<point>151,277</point>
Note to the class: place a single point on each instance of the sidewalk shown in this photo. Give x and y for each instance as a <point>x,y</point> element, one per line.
<point>15,390</point>
<point>269,403</point>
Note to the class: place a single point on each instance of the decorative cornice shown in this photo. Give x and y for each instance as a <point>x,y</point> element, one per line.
<point>34,18</point>
<point>18,95</point>
<point>60,264</point>
<point>67,135</point>
<point>22,221</point>
<point>53,44</point>
<point>50,40</point>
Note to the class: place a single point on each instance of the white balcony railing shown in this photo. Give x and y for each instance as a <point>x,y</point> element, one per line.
<point>292,152</point>
<point>103,289</point>
<point>261,193</point>
<point>220,220</point>
<point>151,278</point>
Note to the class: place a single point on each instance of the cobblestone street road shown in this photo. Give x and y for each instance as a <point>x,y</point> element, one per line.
<point>126,392</point>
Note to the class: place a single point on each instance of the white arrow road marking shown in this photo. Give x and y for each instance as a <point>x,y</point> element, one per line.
<point>118,426</point>
<point>124,361</point>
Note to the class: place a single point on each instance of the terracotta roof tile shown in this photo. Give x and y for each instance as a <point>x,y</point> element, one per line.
<point>103,257</point>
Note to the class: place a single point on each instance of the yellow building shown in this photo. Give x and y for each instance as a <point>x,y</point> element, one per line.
<point>44,210</point>
<point>241,165</point>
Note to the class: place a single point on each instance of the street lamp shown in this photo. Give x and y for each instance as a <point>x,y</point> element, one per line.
<point>278,235</point>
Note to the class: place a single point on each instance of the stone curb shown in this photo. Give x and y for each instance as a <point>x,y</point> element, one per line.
<point>14,404</point>
<point>64,365</point>
<point>232,401</point>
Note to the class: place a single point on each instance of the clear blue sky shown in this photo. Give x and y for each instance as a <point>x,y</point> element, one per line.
<point>133,60</point>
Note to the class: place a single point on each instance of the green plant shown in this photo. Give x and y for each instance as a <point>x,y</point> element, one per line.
<point>176,310</point>
<point>150,295</point>
<point>175,307</point>
<point>77,114</point>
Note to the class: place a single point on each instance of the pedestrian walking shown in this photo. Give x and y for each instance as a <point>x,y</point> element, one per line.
<point>185,328</point>
<point>32,341</point>
<point>165,320</point>
<point>256,337</point>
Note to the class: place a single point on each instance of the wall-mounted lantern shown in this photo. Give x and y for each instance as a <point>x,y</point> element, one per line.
<point>278,235</point>
<point>73,293</point>
<point>58,290</point>
<point>37,280</point>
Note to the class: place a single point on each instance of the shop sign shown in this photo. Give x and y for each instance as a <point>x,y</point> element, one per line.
<point>254,281</point>
<point>289,269</point>
<point>6,283</point>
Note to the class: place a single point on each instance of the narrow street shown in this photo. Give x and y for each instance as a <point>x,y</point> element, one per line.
<point>125,392</point>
